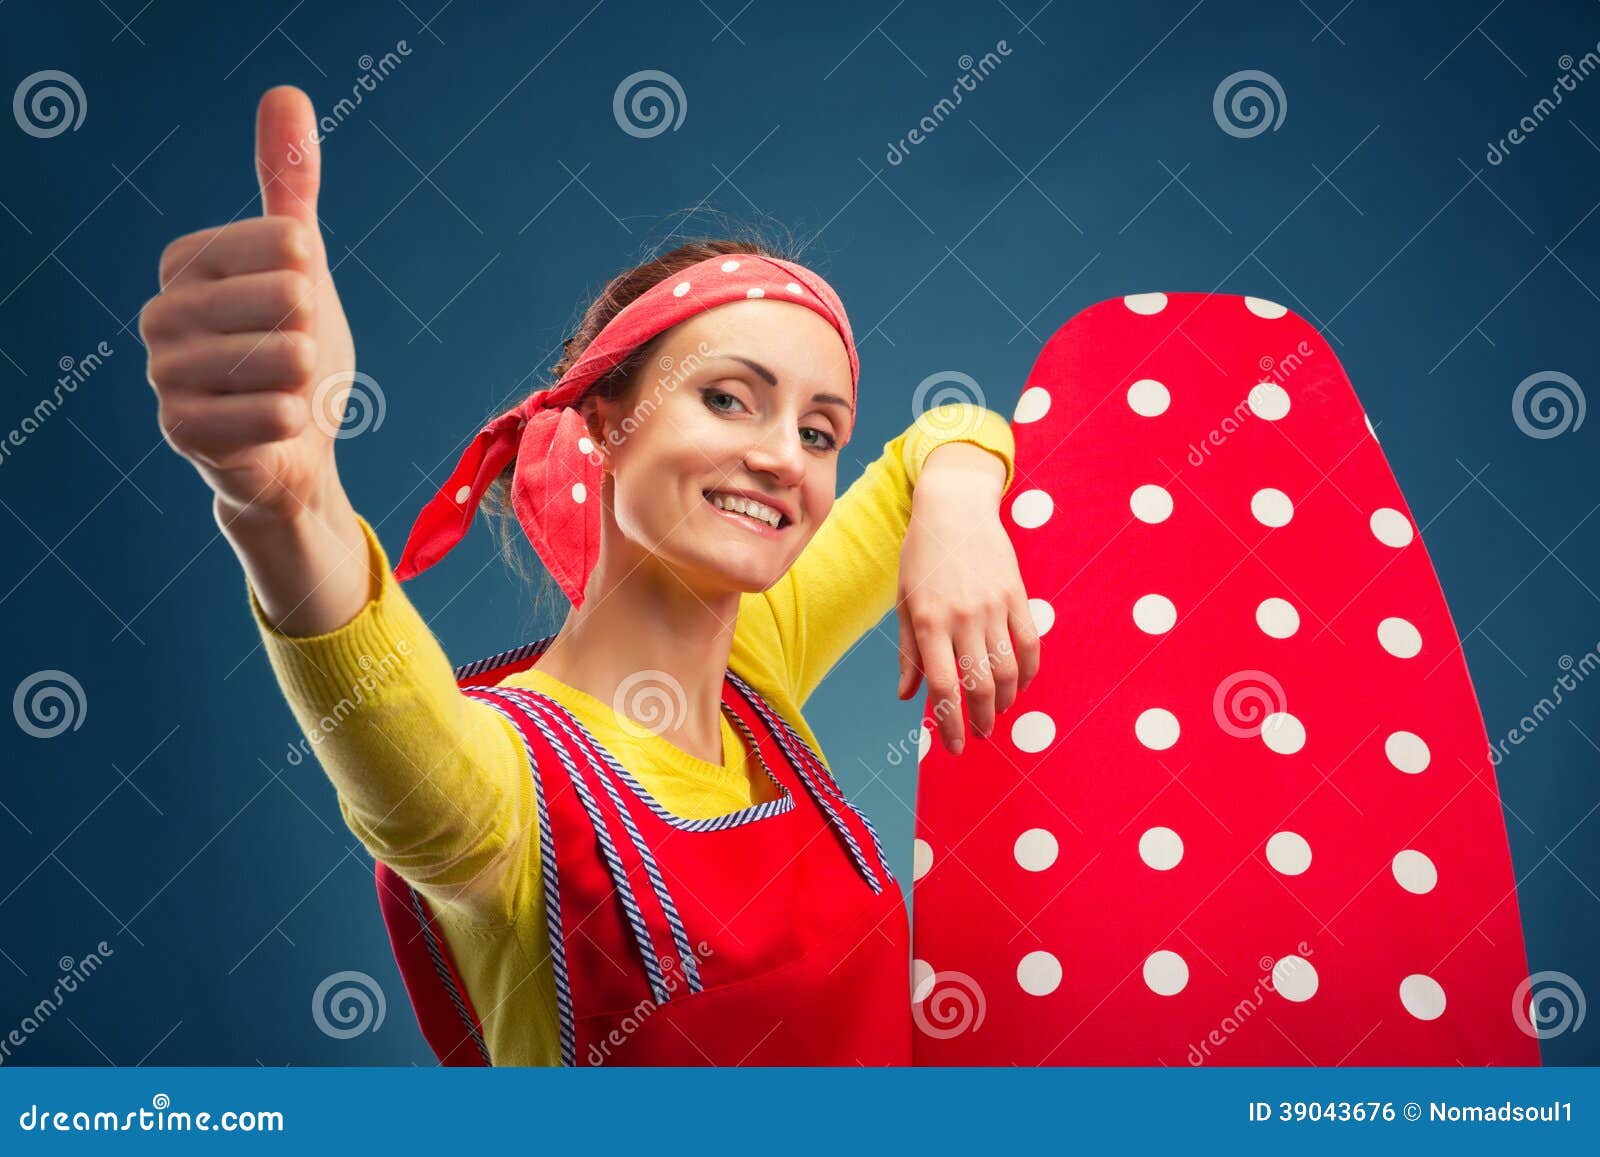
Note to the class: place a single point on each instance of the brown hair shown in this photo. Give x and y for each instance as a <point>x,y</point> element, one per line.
<point>618,292</point>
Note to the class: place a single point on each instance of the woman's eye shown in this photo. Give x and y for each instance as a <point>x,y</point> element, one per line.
<point>711,400</point>
<point>829,442</point>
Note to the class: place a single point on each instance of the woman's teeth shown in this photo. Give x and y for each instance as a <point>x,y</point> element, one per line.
<point>746,506</point>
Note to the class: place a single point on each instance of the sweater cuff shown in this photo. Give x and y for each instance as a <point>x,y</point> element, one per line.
<point>959,422</point>
<point>317,671</point>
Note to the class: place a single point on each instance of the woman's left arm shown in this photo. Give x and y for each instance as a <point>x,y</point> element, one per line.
<point>964,617</point>
<point>847,577</point>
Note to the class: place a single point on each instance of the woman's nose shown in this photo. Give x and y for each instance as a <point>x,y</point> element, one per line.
<point>779,454</point>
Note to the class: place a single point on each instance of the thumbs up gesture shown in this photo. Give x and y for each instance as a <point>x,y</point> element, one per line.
<point>249,351</point>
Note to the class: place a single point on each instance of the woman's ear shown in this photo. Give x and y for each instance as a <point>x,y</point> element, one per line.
<point>596,417</point>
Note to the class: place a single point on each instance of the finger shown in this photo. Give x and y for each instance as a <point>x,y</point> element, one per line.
<point>288,158</point>
<point>251,245</point>
<point>235,363</point>
<point>976,680</point>
<point>1024,638</point>
<point>247,303</point>
<point>944,688</point>
<point>1002,664</point>
<point>220,426</point>
<point>910,658</point>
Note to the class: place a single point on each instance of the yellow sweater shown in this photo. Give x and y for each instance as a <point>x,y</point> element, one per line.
<point>437,785</point>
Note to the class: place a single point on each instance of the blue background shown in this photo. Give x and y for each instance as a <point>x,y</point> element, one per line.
<point>478,198</point>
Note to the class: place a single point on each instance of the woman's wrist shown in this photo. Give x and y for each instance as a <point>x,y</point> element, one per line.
<point>961,468</point>
<point>309,568</point>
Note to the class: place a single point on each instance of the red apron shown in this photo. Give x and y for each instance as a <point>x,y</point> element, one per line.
<point>775,935</point>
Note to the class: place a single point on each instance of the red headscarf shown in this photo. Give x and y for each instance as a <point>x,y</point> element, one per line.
<point>556,488</point>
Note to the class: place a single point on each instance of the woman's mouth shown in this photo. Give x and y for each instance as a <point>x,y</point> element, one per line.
<point>753,516</point>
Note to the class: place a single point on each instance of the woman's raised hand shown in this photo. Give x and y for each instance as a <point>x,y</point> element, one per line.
<point>250,354</point>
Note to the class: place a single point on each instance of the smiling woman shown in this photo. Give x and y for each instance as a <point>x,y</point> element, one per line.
<point>631,813</point>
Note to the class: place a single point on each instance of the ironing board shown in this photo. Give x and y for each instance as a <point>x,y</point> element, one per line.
<point>1245,814</point>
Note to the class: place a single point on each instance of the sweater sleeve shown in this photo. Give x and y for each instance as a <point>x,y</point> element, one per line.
<point>433,783</point>
<point>847,577</point>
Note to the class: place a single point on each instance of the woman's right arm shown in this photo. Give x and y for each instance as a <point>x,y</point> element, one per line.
<point>251,359</point>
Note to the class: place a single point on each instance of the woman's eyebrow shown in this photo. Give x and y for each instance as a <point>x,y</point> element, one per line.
<point>772,380</point>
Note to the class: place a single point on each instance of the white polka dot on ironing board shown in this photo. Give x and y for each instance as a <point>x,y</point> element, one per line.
<point>1407,752</point>
<point>1414,871</point>
<point>1390,527</point>
<point>1149,398</point>
<point>1294,979</point>
<point>1145,303</point>
<point>1151,503</point>
<point>1289,853</point>
<point>1166,973</point>
<point>1261,307</point>
<point>1277,618</point>
<point>1399,638</point>
<point>1039,973</point>
<point>1033,731</point>
<point>1033,405</point>
<point>1271,507</point>
<point>1161,848</point>
<point>1035,850</point>
<point>1268,400</point>
<point>1032,509</point>
<point>1422,996</point>
<point>1154,614</point>
<point>1156,728</point>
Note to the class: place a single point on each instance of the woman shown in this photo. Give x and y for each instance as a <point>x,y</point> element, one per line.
<point>589,870</point>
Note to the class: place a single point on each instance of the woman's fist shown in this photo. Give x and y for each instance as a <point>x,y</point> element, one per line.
<point>250,354</point>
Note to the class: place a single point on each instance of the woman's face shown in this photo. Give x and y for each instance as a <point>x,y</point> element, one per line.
<point>749,399</point>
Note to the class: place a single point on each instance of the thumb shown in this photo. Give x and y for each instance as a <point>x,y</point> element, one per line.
<point>288,159</point>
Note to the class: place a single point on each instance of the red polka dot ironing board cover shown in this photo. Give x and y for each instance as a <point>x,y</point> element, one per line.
<point>1245,814</point>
